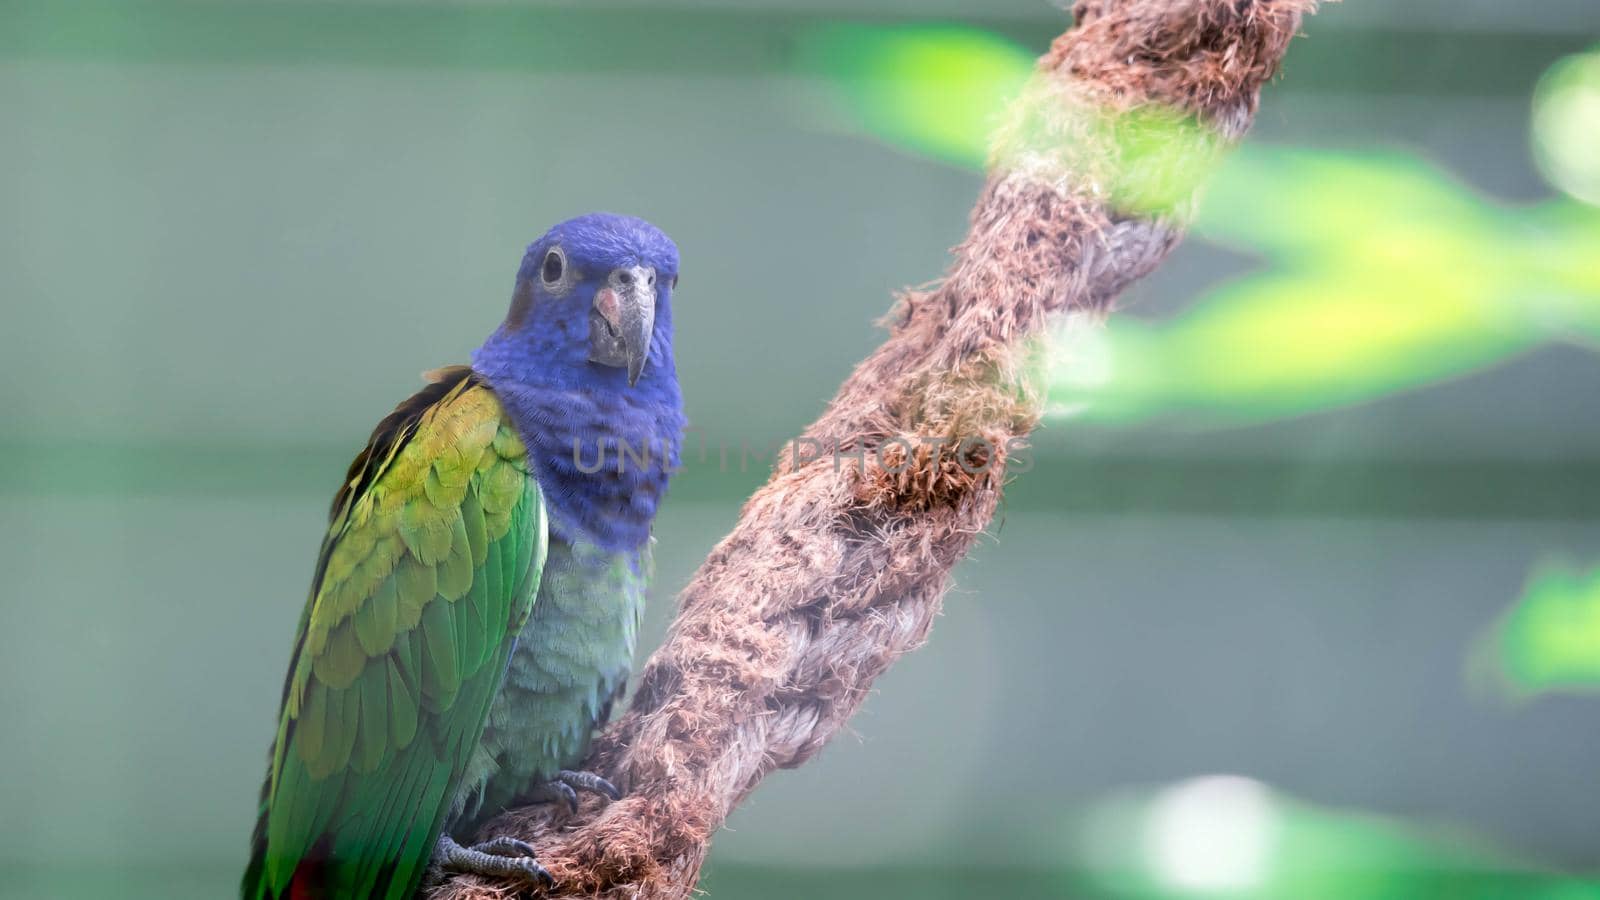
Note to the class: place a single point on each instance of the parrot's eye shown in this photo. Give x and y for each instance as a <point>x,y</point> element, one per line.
<point>555,265</point>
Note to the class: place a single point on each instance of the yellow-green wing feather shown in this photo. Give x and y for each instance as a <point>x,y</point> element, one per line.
<point>429,570</point>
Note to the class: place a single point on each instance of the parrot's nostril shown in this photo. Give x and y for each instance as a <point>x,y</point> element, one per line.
<point>625,278</point>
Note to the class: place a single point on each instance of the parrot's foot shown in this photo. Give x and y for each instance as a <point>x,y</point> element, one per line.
<point>564,789</point>
<point>503,857</point>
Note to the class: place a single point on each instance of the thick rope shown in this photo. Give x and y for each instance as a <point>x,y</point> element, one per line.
<point>838,565</point>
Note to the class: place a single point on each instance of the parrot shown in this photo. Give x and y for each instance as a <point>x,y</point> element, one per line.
<point>478,593</point>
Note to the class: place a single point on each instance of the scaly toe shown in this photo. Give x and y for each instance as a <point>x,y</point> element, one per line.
<point>506,846</point>
<point>450,856</point>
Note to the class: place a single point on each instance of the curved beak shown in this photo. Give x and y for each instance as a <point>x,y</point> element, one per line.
<point>622,320</point>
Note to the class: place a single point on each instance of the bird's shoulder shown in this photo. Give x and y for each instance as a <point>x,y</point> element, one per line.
<point>441,482</point>
<point>454,411</point>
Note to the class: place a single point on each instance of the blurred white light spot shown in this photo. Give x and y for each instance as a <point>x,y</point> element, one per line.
<point>1212,834</point>
<point>1080,361</point>
<point>1566,118</point>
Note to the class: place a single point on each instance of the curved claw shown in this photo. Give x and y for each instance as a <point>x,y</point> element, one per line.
<point>565,794</point>
<point>590,782</point>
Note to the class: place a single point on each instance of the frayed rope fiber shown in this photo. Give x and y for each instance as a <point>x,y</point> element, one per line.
<point>835,571</point>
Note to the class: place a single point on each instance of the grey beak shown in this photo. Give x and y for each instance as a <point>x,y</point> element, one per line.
<point>623,319</point>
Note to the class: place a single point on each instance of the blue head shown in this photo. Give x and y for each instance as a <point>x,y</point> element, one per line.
<point>583,364</point>
<point>592,307</point>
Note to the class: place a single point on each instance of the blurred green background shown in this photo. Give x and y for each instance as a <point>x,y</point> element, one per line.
<point>1251,638</point>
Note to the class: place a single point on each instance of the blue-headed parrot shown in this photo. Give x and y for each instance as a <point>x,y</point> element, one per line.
<point>476,601</point>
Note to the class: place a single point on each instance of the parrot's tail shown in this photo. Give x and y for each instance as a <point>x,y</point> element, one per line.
<point>318,877</point>
<point>254,885</point>
<point>309,882</point>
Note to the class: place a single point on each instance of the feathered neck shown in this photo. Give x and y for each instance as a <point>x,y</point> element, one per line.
<point>602,452</point>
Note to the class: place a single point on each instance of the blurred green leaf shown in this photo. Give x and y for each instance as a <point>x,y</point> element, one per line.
<point>1382,276</point>
<point>1382,273</point>
<point>1549,642</point>
<point>935,90</point>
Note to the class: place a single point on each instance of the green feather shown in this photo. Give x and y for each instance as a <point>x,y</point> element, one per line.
<point>342,659</point>
<point>494,603</point>
<point>477,532</point>
<point>441,677</point>
<point>426,530</point>
<point>417,585</point>
<point>374,740</point>
<point>455,569</point>
<point>402,708</point>
<point>313,722</point>
<point>471,635</point>
<point>344,721</point>
<point>377,619</point>
<point>323,764</point>
<point>476,606</point>
<point>435,489</point>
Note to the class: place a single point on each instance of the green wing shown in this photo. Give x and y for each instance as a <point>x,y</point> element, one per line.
<point>429,570</point>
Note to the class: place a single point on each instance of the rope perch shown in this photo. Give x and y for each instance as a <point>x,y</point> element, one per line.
<point>833,571</point>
